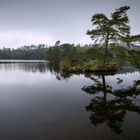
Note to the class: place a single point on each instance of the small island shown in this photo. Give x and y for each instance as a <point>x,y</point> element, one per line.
<point>112,42</point>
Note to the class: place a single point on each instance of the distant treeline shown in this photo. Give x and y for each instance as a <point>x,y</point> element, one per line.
<point>32,52</point>
<point>44,52</point>
<point>70,52</point>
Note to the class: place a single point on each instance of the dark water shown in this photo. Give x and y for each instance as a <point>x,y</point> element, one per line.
<point>39,103</point>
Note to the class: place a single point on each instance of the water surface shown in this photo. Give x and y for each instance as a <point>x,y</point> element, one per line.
<point>37,102</point>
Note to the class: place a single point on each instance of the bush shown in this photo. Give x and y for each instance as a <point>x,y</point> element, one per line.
<point>111,66</point>
<point>65,64</point>
<point>92,64</point>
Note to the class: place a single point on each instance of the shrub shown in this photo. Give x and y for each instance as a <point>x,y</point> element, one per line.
<point>92,64</point>
<point>65,64</point>
<point>111,66</point>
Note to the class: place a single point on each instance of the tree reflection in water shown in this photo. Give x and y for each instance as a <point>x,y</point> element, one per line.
<point>111,109</point>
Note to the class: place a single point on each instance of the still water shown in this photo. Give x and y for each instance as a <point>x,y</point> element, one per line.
<point>37,102</point>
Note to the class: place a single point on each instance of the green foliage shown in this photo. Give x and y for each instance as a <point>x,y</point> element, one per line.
<point>63,51</point>
<point>133,58</point>
<point>92,64</point>
<point>131,40</point>
<point>65,64</point>
<point>36,52</point>
<point>108,30</point>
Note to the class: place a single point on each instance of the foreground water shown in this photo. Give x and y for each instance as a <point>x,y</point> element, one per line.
<point>39,103</point>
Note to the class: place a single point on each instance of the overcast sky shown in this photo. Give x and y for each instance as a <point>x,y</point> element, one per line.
<point>25,22</point>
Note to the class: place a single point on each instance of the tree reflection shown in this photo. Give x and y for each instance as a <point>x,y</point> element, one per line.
<point>41,67</point>
<point>111,106</point>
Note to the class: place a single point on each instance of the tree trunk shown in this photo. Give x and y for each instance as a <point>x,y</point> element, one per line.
<point>105,51</point>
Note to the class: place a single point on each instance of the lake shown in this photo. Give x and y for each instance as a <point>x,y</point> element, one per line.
<point>37,102</point>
